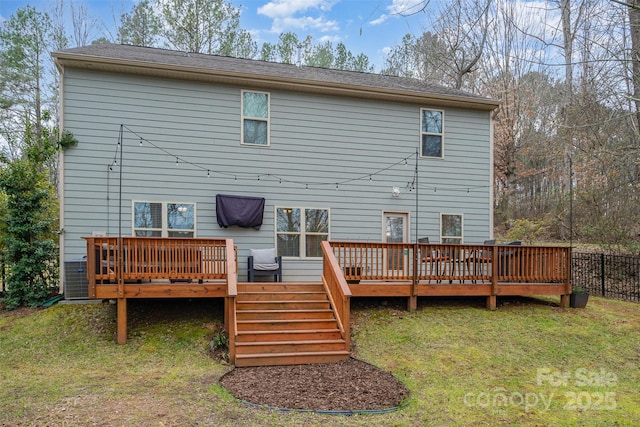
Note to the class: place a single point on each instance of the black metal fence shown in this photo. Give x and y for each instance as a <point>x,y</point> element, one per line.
<point>611,276</point>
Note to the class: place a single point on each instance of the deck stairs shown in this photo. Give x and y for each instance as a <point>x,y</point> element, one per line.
<point>286,324</point>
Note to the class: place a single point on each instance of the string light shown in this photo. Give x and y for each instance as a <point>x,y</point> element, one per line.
<point>410,186</point>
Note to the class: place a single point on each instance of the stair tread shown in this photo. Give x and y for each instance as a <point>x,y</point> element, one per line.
<point>285,320</point>
<point>287,310</point>
<point>284,292</point>
<point>289,331</point>
<point>282,343</point>
<point>293,354</point>
<point>288,301</point>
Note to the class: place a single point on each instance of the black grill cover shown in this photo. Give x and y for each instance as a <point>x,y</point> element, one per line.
<point>243,211</point>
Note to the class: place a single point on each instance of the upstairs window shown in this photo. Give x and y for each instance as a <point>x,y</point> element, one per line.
<point>164,219</point>
<point>451,228</point>
<point>431,133</point>
<point>255,118</point>
<point>299,231</point>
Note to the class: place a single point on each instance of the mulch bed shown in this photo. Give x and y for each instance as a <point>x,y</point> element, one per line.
<point>350,385</point>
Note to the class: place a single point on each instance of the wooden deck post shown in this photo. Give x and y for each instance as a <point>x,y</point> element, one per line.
<point>227,313</point>
<point>491,302</point>
<point>412,303</point>
<point>122,320</point>
<point>492,299</point>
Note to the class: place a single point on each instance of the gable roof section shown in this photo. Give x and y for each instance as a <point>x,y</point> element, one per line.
<point>265,75</point>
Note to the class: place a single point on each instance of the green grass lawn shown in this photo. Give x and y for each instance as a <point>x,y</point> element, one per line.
<point>527,363</point>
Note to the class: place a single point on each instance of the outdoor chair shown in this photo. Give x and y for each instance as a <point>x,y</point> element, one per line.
<point>264,262</point>
<point>434,259</point>
<point>481,259</point>
<point>508,259</point>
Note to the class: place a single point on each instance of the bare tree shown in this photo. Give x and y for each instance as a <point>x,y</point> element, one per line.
<point>450,51</point>
<point>634,30</point>
<point>82,25</point>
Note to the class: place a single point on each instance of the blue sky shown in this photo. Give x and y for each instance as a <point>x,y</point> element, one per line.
<point>364,26</point>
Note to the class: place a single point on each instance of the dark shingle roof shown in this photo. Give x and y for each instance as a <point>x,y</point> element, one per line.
<point>135,59</point>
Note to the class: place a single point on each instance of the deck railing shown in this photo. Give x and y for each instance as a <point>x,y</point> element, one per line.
<point>110,259</point>
<point>338,291</point>
<point>402,262</point>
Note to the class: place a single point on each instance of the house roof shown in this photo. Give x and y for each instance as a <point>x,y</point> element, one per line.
<point>261,74</point>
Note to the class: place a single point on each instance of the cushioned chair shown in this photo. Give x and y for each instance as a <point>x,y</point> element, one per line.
<point>264,262</point>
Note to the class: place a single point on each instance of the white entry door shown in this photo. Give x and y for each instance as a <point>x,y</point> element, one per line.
<point>396,230</point>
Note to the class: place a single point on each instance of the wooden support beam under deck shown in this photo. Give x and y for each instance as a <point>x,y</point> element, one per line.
<point>122,320</point>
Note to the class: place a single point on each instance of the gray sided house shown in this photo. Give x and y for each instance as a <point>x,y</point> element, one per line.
<point>333,155</point>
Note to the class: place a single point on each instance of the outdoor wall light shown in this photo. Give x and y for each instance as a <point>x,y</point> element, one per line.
<point>395,192</point>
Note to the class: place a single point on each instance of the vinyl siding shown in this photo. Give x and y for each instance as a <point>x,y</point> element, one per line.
<point>315,140</point>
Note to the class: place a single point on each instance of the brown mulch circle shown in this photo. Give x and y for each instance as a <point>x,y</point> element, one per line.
<point>349,386</point>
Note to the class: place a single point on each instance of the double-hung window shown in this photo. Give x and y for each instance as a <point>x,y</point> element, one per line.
<point>451,227</point>
<point>164,219</point>
<point>299,231</point>
<point>255,118</point>
<point>431,133</point>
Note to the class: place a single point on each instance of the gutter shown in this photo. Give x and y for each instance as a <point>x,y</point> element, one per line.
<point>234,77</point>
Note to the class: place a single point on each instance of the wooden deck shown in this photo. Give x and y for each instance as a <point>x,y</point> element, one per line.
<point>291,323</point>
<point>412,270</point>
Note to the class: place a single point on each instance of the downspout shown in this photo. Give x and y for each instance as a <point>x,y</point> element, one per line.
<point>491,172</point>
<point>61,240</point>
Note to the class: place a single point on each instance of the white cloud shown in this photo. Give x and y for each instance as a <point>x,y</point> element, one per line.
<point>332,39</point>
<point>291,15</point>
<point>304,23</point>
<point>286,8</point>
<point>399,8</point>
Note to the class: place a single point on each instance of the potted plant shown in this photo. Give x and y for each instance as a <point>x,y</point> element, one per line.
<point>579,296</point>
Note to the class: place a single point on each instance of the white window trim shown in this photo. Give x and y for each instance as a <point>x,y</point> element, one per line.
<point>242,117</point>
<point>164,231</point>
<point>302,233</point>
<point>431,133</point>
<point>442,237</point>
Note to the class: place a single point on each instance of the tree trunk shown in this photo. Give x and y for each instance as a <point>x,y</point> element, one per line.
<point>634,24</point>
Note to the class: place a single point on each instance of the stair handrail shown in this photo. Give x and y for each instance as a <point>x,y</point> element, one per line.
<point>232,293</point>
<point>337,290</point>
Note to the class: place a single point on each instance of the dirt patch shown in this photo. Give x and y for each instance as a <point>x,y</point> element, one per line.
<point>18,312</point>
<point>350,385</point>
